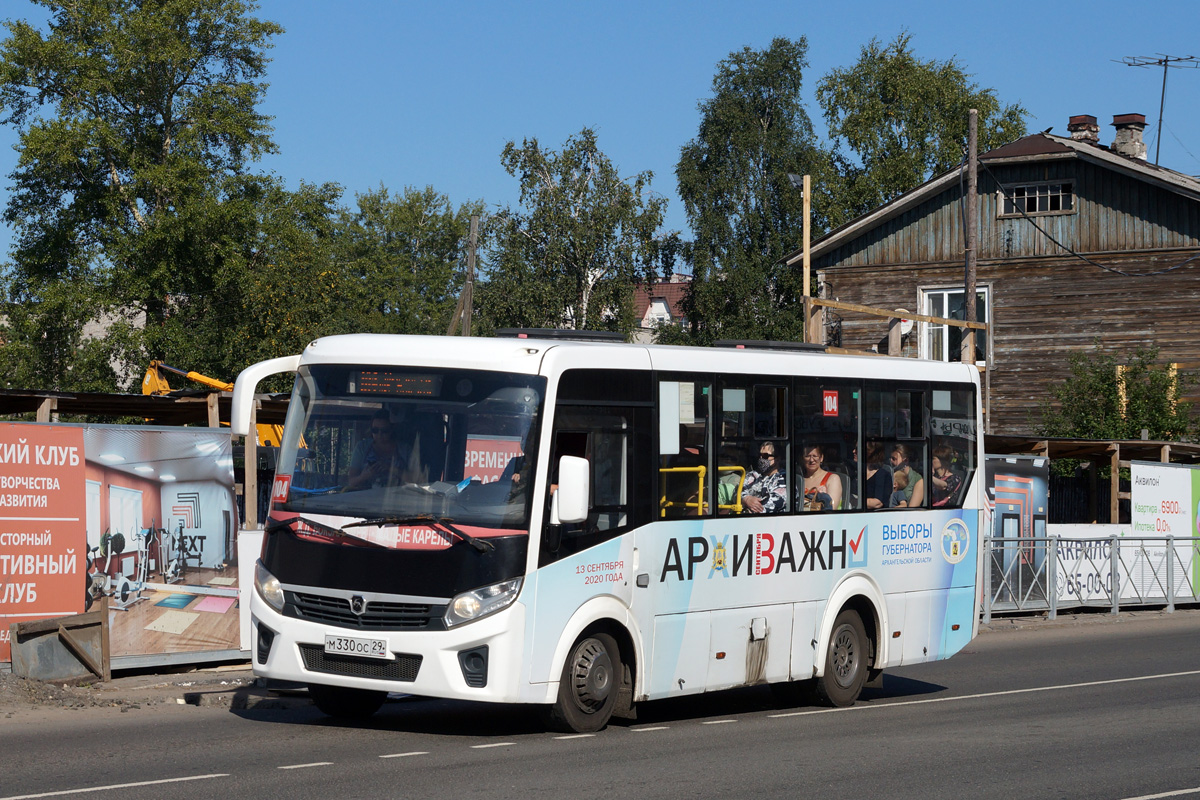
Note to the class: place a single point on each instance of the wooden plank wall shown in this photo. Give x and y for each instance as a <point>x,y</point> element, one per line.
<point>1043,310</point>
<point>1114,213</point>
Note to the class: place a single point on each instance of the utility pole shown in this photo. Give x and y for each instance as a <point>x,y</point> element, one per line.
<point>1163,61</point>
<point>808,332</point>
<point>469,289</point>
<point>814,320</point>
<point>968,339</point>
<point>466,301</point>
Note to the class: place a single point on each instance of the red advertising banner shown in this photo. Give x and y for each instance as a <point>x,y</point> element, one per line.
<point>43,513</point>
<point>488,457</point>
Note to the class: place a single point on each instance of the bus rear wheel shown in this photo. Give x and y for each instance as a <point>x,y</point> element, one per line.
<point>845,661</point>
<point>341,702</point>
<point>588,686</point>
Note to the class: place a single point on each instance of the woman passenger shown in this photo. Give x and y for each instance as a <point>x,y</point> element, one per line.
<point>945,483</point>
<point>765,489</point>
<point>914,492</point>
<point>879,477</point>
<point>822,489</point>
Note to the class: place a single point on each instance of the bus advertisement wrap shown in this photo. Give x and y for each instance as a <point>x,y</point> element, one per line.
<point>695,579</point>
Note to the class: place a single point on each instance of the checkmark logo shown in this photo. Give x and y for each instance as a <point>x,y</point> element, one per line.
<point>858,549</point>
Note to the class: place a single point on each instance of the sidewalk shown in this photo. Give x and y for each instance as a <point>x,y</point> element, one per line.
<point>232,686</point>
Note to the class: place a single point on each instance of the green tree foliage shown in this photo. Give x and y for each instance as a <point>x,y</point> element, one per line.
<point>904,119</point>
<point>406,255</point>
<point>581,239</point>
<point>48,343</point>
<point>293,289</point>
<point>136,120</point>
<point>744,213</point>
<point>1098,401</point>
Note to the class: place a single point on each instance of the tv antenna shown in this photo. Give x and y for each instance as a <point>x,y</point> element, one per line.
<point>1164,61</point>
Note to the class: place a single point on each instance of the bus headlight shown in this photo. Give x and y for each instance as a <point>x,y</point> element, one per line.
<point>268,586</point>
<point>481,602</point>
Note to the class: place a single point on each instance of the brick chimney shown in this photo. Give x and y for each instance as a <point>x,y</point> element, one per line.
<point>1128,141</point>
<point>1083,128</point>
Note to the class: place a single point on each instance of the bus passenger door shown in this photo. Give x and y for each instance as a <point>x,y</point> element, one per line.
<point>585,568</point>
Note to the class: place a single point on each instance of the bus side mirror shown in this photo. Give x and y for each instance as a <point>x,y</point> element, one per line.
<point>570,503</point>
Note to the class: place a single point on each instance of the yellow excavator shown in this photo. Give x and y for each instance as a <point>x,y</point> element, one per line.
<point>154,383</point>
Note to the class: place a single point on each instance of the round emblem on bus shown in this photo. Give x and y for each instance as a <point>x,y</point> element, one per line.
<point>956,541</point>
<point>358,605</point>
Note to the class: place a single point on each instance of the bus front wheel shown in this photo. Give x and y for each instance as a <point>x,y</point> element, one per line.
<point>845,661</point>
<point>588,686</point>
<point>341,702</point>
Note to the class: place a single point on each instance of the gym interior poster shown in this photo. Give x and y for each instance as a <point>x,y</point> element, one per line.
<point>143,515</point>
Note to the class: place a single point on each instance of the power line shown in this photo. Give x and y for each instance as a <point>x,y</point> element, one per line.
<point>1163,61</point>
<point>1020,207</point>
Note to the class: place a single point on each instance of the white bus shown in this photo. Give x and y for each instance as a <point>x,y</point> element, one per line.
<point>534,519</point>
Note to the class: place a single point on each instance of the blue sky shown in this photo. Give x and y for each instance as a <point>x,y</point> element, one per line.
<point>367,92</point>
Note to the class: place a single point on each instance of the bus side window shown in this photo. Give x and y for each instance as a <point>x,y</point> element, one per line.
<point>607,438</point>
<point>685,471</point>
<point>952,464</point>
<point>752,416</point>
<point>827,437</point>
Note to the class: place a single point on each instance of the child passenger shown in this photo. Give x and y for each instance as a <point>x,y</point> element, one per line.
<point>899,484</point>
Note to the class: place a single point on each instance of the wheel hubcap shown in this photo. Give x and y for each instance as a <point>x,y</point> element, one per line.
<point>845,654</point>
<point>592,676</point>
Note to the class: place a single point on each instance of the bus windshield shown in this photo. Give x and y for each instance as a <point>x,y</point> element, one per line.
<point>386,448</point>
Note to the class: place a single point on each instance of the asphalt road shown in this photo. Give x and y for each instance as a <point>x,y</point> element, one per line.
<point>1098,710</point>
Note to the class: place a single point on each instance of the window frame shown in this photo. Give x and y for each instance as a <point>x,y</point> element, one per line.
<point>925,342</point>
<point>1005,192</point>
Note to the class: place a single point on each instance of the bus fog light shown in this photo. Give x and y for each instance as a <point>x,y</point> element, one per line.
<point>481,602</point>
<point>268,587</point>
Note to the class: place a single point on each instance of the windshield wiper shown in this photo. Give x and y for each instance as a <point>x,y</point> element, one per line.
<point>314,527</point>
<point>286,525</point>
<point>433,521</point>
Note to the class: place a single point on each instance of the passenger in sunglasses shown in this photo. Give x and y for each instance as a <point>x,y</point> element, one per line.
<point>765,490</point>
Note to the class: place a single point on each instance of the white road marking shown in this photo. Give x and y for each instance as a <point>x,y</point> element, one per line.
<point>313,764</point>
<point>980,695</point>
<point>718,721</point>
<point>405,755</point>
<point>1176,793</point>
<point>493,744</point>
<point>576,736</point>
<point>116,786</point>
<point>655,728</point>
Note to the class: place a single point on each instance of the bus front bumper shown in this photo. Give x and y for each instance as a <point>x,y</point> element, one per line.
<point>478,660</point>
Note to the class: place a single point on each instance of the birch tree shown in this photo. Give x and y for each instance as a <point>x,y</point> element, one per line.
<point>570,255</point>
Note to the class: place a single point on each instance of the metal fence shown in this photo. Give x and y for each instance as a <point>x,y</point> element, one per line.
<point>1052,573</point>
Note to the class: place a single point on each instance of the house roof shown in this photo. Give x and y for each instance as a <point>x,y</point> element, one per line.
<point>1033,148</point>
<point>671,293</point>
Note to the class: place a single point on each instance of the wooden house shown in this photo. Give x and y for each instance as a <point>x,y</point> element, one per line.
<point>1078,242</point>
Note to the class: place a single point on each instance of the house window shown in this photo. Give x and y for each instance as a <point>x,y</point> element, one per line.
<point>944,342</point>
<point>1037,198</point>
<point>659,312</point>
